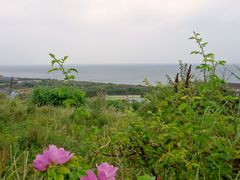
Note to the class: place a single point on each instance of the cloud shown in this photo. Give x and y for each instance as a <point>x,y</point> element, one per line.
<point>98,11</point>
<point>114,31</point>
<point>112,10</point>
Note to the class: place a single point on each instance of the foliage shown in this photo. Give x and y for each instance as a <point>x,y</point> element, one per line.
<point>209,63</point>
<point>58,96</point>
<point>118,104</point>
<point>60,62</point>
<point>26,127</point>
<point>90,88</point>
<point>181,136</point>
<point>189,133</point>
<point>183,78</point>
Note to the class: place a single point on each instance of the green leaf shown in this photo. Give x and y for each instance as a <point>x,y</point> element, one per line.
<point>146,177</point>
<point>59,177</point>
<point>65,58</point>
<point>63,170</point>
<point>210,55</point>
<point>196,52</point>
<point>51,172</point>
<point>73,162</point>
<point>53,62</point>
<point>204,44</point>
<point>71,77</point>
<point>199,39</point>
<point>197,98</point>
<point>53,69</point>
<point>52,55</point>
<point>182,107</point>
<point>72,69</point>
<point>221,62</point>
<point>210,60</point>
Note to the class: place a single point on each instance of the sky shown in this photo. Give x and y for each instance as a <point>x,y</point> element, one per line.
<point>116,31</point>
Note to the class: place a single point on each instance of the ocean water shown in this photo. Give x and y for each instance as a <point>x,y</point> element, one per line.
<point>120,74</point>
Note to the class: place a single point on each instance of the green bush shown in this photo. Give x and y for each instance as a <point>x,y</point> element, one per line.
<point>185,130</point>
<point>118,104</point>
<point>192,134</point>
<point>58,96</point>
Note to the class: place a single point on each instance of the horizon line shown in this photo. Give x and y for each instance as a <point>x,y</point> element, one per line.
<point>111,64</point>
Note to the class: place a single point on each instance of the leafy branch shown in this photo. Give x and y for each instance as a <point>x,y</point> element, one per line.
<point>209,63</point>
<point>60,62</point>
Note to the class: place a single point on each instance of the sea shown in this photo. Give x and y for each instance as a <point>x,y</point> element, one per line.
<point>118,74</point>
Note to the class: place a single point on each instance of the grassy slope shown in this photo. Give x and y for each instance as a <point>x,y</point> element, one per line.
<point>173,135</point>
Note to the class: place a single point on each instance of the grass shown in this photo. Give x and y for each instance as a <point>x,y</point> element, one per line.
<point>184,130</point>
<point>122,97</point>
<point>188,134</point>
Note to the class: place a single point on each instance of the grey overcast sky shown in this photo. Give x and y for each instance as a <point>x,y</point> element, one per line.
<point>116,31</point>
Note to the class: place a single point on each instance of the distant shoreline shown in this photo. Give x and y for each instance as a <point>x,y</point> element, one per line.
<point>91,88</point>
<point>8,78</point>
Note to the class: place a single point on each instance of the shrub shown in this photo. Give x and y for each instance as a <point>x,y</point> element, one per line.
<point>179,136</point>
<point>118,104</point>
<point>187,130</point>
<point>58,96</point>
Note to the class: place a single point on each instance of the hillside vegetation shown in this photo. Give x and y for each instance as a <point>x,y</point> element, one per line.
<point>188,129</point>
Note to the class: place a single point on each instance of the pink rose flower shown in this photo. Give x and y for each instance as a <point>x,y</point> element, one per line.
<point>90,176</point>
<point>51,156</point>
<point>57,155</point>
<point>41,163</point>
<point>106,171</point>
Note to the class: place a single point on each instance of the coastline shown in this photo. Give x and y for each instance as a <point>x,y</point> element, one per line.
<point>91,88</point>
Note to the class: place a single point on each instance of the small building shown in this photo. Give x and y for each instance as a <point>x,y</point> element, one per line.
<point>14,94</point>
